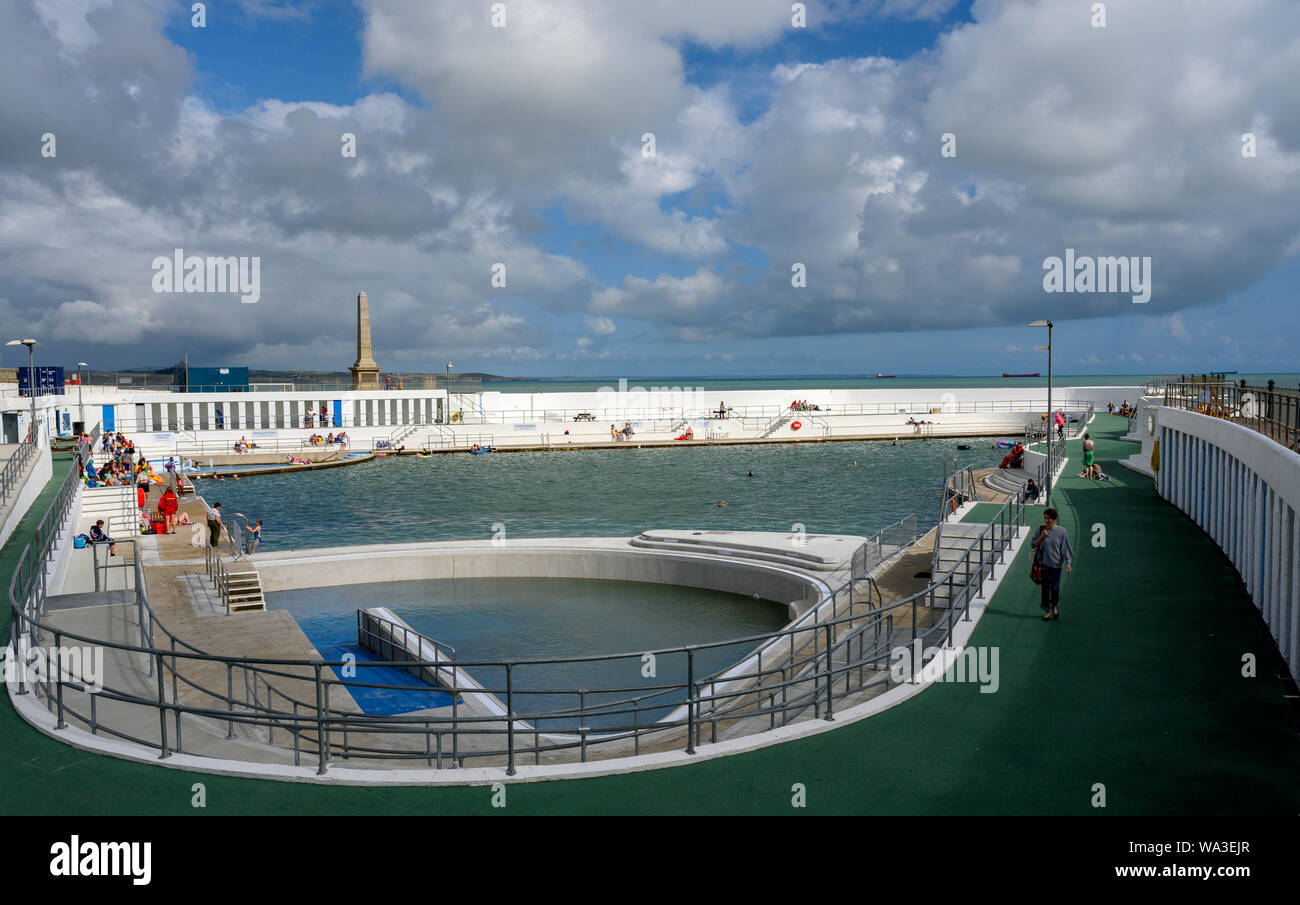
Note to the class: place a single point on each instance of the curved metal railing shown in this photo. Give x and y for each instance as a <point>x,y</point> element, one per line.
<point>12,473</point>
<point>837,654</point>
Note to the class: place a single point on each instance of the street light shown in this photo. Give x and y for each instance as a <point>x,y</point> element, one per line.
<point>31,379</point>
<point>81,409</point>
<point>1047,483</point>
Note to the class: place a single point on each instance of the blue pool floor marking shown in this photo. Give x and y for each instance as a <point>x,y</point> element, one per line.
<point>377,701</point>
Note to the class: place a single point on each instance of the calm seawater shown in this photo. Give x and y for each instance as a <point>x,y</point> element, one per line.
<point>864,381</point>
<point>618,492</point>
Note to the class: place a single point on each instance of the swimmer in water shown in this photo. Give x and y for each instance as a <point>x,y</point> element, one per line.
<point>751,474</point>
<point>722,503</point>
<point>853,465</point>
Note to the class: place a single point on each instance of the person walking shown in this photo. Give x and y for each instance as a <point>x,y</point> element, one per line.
<point>214,523</point>
<point>1053,552</point>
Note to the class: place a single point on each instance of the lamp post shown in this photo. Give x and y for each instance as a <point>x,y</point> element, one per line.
<point>81,408</point>
<point>31,379</point>
<point>1047,482</point>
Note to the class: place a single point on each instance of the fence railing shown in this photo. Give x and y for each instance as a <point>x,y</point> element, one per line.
<point>837,654</point>
<point>11,476</point>
<point>884,545</point>
<point>1272,412</point>
<point>199,448</point>
<point>451,440</point>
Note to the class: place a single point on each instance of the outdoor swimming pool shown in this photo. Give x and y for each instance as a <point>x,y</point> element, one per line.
<point>619,492</point>
<point>526,618</point>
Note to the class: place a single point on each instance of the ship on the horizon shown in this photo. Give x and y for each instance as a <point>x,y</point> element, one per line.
<point>880,376</point>
<point>1006,374</point>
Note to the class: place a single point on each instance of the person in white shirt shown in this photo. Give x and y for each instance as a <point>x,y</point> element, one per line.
<point>214,523</point>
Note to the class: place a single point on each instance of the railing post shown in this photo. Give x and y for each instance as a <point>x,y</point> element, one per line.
<point>58,665</point>
<point>830,677</point>
<point>510,720</point>
<point>162,710</point>
<point>14,634</point>
<point>230,698</point>
<point>1002,537</point>
<point>322,759</point>
<point>690,703</point>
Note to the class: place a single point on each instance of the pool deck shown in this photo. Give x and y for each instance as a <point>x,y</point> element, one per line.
<point>1137,687</point>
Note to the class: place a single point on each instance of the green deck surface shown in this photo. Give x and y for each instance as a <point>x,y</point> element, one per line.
<point>1137,687</point>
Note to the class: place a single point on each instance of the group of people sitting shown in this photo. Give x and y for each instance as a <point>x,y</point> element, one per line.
<point>802,405</point>
<point>122,465</point>
<point>242,445</point>
<point>623,434</point>
<point>1125,410</point>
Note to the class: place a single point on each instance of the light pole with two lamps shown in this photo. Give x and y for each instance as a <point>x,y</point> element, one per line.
<point>1047,482</point>
<point>31,380</point>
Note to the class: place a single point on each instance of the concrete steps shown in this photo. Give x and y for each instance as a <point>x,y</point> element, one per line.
<point>115,505</point>
<point>244,590</point>
<point>1007,480</point>
<point>955,541</point>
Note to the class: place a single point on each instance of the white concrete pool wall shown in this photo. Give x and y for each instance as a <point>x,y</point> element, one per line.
<point>535,418</point>
<point>611,559</point>
<point>590,558</point>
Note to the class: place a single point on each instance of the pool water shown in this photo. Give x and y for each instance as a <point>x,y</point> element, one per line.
<point>496,619</point>
<point>619,492</point>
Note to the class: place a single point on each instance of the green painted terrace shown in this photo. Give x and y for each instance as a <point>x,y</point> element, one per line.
<point>1138,687</point>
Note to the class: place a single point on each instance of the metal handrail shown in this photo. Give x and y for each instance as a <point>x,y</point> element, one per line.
<point>13,470</point>
<point>816,662</point>
<point>1270,411</point>
<point>445,439</point>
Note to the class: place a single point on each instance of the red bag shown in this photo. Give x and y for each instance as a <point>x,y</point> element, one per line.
<point>1036,570</point>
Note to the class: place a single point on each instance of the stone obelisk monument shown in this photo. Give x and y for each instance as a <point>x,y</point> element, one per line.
<point>365,373</point>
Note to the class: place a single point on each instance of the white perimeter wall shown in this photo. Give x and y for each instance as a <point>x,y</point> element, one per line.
<point>1244,491</point>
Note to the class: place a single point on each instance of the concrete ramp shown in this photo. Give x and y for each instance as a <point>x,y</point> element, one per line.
<point>816,552</point>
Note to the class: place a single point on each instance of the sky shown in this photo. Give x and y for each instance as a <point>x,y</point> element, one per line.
<point>685,187</point>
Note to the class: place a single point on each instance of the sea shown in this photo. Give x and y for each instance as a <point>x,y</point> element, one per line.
<point>858,381</point>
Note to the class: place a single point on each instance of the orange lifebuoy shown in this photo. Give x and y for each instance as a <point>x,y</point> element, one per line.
<point>795,425</point>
